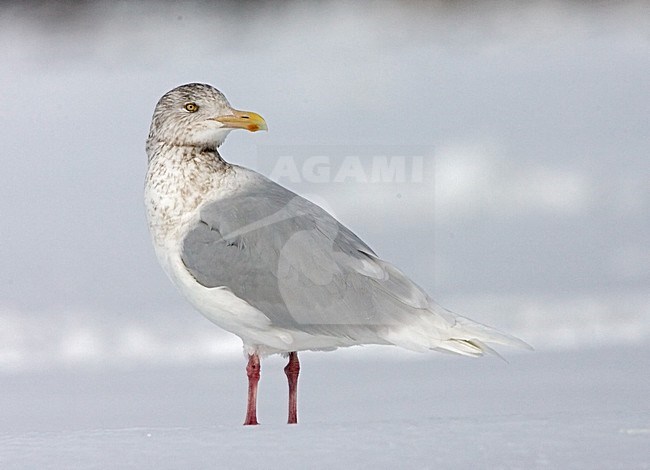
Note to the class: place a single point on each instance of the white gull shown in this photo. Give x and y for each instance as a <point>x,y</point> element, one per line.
<point>266,264</point>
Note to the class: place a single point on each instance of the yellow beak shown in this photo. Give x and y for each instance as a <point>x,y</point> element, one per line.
<point>243,120</point>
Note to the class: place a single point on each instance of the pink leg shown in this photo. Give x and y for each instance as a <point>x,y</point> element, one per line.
<point>253,372</point>
<point>292,370</point>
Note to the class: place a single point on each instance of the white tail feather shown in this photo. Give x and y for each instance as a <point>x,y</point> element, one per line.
<point>477,332</point>
<point>450,333</point>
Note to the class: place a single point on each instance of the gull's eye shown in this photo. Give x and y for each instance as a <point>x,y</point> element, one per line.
<point>192,107</point>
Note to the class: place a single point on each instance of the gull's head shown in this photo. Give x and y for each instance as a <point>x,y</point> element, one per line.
<point>198,115</point>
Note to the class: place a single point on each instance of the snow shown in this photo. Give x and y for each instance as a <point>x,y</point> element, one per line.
<point>359,408</point>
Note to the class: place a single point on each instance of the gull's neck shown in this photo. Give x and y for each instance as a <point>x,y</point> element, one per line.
<point>164,150</point>
<point>180,179</point>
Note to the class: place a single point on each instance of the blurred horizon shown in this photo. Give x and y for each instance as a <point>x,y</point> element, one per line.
<point>532,216</point>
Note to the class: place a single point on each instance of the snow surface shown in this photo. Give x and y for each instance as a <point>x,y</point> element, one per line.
<point>381,408</point>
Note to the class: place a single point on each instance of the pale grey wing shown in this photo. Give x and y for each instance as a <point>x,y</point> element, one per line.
<point>297,264</point>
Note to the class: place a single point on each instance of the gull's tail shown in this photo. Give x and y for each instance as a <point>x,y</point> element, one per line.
<point>442,330</point>
<point>469,338</point>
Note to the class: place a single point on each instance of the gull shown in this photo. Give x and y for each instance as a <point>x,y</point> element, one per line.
<point>270,266</point>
